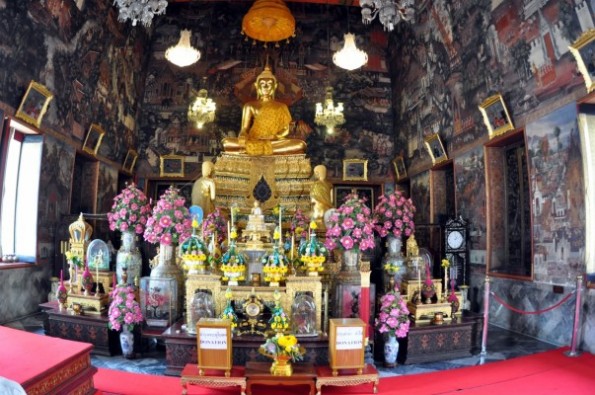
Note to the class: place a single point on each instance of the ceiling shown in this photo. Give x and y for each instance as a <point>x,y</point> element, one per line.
<point>331,2</point>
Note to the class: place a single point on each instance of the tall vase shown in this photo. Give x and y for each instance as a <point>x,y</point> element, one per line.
<point>166,268</point>
<point>127,342</point>
<point>128,257</point>
<point>393,262</point>
<point>391,350</point>
<point>350,260</point>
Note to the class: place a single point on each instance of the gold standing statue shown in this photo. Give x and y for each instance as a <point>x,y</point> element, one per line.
<point>265,124</point>
<point>321,195</point>
<point>204,191</point>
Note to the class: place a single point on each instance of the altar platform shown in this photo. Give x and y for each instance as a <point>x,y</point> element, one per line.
<point>181,349</point>
<point>46,365</point>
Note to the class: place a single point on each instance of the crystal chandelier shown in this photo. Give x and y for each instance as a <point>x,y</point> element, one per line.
<point>183,53</point>
<point>350,57</point>
<point>329,115</point>
<point>202,109</point>
<point>390,12</point>
<point>140,10</point>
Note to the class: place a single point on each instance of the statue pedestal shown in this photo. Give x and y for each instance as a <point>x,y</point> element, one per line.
<point>287,176</point>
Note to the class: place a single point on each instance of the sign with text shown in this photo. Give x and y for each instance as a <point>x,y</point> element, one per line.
<point>350,338</point>
<point>213,338</point>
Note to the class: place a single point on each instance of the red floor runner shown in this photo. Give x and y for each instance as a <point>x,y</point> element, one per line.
<point>545,373</point>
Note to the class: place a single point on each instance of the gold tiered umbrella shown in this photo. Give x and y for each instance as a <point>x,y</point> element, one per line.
<point>268,21</point>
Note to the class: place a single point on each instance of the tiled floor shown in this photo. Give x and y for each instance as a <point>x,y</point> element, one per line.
<point>501,345</point>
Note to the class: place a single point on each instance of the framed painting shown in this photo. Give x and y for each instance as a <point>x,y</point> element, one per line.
<point>341,191</point>
<point>400,169</point>
<point>130,160</point>
<point>583,50</point>
<point>495,115</point>
<point>436,149</point>
<point>34,104</point>
<point>93,139</point>
<point>355,170</point>
<point>171,166</point>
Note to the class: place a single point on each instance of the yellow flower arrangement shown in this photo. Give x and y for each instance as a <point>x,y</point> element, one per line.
<point>392,268</point>
<point>445,263</point>
<point>280,344</point>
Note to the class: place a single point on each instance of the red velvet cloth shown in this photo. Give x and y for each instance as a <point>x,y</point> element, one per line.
<point>26,356</point>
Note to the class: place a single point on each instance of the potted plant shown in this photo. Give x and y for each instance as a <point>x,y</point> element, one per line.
<point>392,320</point>
<point>124,313</point>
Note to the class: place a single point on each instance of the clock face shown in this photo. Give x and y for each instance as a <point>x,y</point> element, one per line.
<point>252,309</point>
<point>455,239</point>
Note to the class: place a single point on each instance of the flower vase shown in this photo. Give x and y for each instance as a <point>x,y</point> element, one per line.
<point>87,281</point>
<point>282,366</point>
<point>393,261</point>
<point>128,257</point>
<point>166,268</point>
<point>391,350</point>
<point>428,291</point>
<point>62,294</point>
<point>127,342</point>
<point>350,260</point>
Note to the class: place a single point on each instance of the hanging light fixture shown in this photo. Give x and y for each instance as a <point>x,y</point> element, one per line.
<point>183,53</point>
<point>202,109</point>
<point>350,57</point>
<point>140,10</point>
<point>328,114</point>
<point>268,21</point>
<point>390,12</point>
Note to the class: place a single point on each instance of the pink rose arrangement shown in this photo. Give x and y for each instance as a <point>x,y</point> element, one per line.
<point>393,317</point>
<point>350,226</point>
<point>124,311</point>
<point>215,222</point>
<point>170,222</point>
<point>299,224</point>
<point>393,215</point>
<point>130,210</point>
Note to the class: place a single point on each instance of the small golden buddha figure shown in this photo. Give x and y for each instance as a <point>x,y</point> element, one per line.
<point>204,191</point>
<point>321,194</point>
<point>265,124</point>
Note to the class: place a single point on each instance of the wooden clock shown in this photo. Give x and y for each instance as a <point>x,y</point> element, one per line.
<point>456,248</point>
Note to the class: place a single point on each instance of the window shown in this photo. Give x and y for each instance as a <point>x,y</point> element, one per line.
<point>20,170</point>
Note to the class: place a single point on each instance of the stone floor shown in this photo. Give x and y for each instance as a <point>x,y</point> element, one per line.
<point>501,345</point>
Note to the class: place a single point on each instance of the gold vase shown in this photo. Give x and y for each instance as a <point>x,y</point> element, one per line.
<point>282,366</point>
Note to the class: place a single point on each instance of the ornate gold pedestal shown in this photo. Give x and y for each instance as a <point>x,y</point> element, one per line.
<point>425,312</point>
<point>105,279</point>
<point>91,305</point>
<point>408,288</point>
<point>288,177</point>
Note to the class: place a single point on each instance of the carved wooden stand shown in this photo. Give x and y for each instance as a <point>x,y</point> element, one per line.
<point>212,379</point>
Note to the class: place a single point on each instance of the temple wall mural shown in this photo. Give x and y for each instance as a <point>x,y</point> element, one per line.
<point>228,67</point>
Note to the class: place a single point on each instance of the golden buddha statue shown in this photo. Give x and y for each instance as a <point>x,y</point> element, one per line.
<point>203,190</point>
<point>265,124</point>
<point>321,195</point>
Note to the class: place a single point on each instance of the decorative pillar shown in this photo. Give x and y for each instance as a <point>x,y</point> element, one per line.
<point>364,306</point>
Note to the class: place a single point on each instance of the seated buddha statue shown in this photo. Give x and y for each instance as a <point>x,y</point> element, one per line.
<point>265,124</point>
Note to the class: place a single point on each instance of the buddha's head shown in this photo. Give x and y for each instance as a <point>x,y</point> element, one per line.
<point>320,172</point>
<point>266,83</point>
<point>207,168</point>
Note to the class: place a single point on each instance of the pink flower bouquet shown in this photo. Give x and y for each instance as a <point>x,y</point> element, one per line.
<point>215,222</point>
<point>299,224</point>
<point>124,311</point>
<point>393,317</point>
<point>170,222</point>
<point>393,215</point>
<point>130,210</point>
<point>351,226</point>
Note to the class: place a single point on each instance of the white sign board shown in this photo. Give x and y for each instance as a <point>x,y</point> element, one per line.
<point>213,338</point>
<point>350,338</point>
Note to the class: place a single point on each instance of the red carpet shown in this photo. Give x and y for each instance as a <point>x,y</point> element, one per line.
<point>546,373</point>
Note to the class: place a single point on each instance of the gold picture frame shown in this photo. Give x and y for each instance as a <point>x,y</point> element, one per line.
<point>130,160</point>
<point>495,115</point>
<point>435,148</point>
<point>583,50</point>
<point>400,169</point>
<point>34,104</point>
<point>171,166</point>
<point>93,139</point>
<point>355,170</point>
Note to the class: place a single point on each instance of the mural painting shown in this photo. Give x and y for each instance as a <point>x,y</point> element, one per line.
<point>106,190</point>
<point>303,67</point>
<point>556,177</point>
<point>471,199</point>
<point>420,194</point>
<point>457,54</point>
